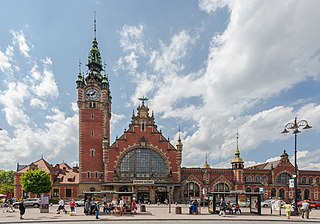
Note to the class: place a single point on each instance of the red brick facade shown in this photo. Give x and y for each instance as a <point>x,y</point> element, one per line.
<point>144,162</point>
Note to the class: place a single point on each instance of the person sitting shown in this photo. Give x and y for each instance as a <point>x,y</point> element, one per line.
<point>237,209</point>
<point>229,208</point>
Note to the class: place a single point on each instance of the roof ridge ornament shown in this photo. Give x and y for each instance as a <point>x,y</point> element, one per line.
<point>142,99</point>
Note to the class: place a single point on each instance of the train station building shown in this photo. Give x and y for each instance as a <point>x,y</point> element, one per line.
<point>146,163</point>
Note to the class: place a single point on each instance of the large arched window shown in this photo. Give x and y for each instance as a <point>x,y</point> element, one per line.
<point>283,178</point>
<point>221,187</point>
<point>143,163</point>
<point>191,189</point>
<point>257,179</point>
<point>281,193</point>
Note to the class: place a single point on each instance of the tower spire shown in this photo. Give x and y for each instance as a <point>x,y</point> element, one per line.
<point>237,159</point>
<point>95,25</point>
<point>206,165</point>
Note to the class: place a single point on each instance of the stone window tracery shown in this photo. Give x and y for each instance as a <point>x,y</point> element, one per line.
<point>143,163</point>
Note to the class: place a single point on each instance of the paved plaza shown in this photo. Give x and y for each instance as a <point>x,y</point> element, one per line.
<point>154,214</point>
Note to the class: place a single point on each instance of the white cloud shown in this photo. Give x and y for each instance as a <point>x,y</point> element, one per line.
<point>44,84</point>
<point>13,99</point>
<point>38,103</point>
<point>131,38</point>
<point>265,50</point>
<point>31,135</point>
<point>115,118</point>
<point>20,40</point>
<point>5,59</point>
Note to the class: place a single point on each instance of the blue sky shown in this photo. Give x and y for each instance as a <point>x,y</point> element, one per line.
<point>214,68</point>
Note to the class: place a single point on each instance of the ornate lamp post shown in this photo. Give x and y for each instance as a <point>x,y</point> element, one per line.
<point>296,127</point>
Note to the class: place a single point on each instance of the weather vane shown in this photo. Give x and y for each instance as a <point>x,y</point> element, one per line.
<point>142,99</point>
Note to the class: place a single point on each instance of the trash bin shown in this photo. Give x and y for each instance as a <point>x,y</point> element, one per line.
<point>178,210</point>
<point>142,208</point>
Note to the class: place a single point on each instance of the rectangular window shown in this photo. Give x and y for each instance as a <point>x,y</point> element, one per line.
<point>92,105</point>
<point>55,192</point>
<point>88,174</point>
<point>96,174</point>
<point>92,133</point>
<point>68,193</point>
<point>92,116</point>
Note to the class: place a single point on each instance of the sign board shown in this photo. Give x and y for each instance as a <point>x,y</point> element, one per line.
<point>143,182</point>
<point>291,183</point>
<point>261,190</point>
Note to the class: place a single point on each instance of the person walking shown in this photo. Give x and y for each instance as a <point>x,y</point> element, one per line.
<point>87,207</point>
<point>305,207</point>
<point>22,209</point>
<point>97,208</point>
<point>223,206</point>
<point>61,206</point>
<point>287,208</point>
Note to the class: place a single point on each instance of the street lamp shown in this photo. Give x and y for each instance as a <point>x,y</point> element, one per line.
<point>296,127</point>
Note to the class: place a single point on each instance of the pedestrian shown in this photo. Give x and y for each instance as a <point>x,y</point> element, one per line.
<point>61,206</point>
<point>122,204</point>
<point>287,208</point>
<point>22,209</point>
<point>92,206</point>
<point>97,208</point>
<point>87,207</point>
<point>223,206</point>
<point>72,205</point>
<point>305,207</point>
<point>134,206</point>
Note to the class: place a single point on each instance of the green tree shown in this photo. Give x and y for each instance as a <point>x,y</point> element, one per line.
<point>6,181</point>
<point>36,181</point>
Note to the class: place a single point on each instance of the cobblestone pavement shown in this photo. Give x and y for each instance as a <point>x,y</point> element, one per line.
<point>155,214</point>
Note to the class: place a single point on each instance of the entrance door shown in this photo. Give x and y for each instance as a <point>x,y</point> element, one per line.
<point>143,195</point>
<point>161,196</point>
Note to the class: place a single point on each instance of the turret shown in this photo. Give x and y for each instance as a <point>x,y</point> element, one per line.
<point>237,162</point>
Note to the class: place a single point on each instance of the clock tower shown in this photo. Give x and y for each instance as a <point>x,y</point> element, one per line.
<point>94,103</point>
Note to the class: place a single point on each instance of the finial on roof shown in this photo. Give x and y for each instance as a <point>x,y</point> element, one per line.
<point>179,134</point>
<point>95,25</point>
<point>142,99</point>
<point>80,66</point>
<point>237,158</point>
<point>206,165</point>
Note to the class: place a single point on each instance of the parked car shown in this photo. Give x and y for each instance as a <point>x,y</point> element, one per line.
<point>266,203</point>
<point>245,203</point>
<point>79,203</point>
<point>29,202</point>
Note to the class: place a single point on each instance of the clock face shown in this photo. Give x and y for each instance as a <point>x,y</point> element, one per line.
<point>92,94</point>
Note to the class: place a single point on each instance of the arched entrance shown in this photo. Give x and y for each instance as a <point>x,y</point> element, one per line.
<point>306,194</point>
<point>281,193</point>
<point>299,194</point>
<point>161,194</point>
<point>143,195</point>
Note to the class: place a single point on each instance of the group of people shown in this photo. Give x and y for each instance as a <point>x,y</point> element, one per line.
<point>227,207</point>
<point>119,206</point>
<point>8,206</point>
<point>92,207</point>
